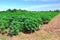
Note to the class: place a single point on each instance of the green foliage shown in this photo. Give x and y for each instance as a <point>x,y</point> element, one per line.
<point>30,25</point>
<point>16,21</point>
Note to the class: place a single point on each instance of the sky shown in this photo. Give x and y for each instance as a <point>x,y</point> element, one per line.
<point>31,5</point>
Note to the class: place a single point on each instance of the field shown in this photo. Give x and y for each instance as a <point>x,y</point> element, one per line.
<point>21,23</point>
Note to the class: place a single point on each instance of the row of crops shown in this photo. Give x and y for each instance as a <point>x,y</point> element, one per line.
<point>17,21</point>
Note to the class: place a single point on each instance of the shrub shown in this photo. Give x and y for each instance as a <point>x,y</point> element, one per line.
<point>31,25</point>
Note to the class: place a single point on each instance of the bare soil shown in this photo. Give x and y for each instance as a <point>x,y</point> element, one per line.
<point>53,26</point>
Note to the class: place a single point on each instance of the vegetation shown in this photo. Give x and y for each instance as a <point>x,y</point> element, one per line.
<point>16,21</point>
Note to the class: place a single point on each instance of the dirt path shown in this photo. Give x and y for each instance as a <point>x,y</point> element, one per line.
<point>53,26</point>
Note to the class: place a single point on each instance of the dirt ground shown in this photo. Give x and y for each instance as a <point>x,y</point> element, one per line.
<point>53,26</point>
<point>50,31</point>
